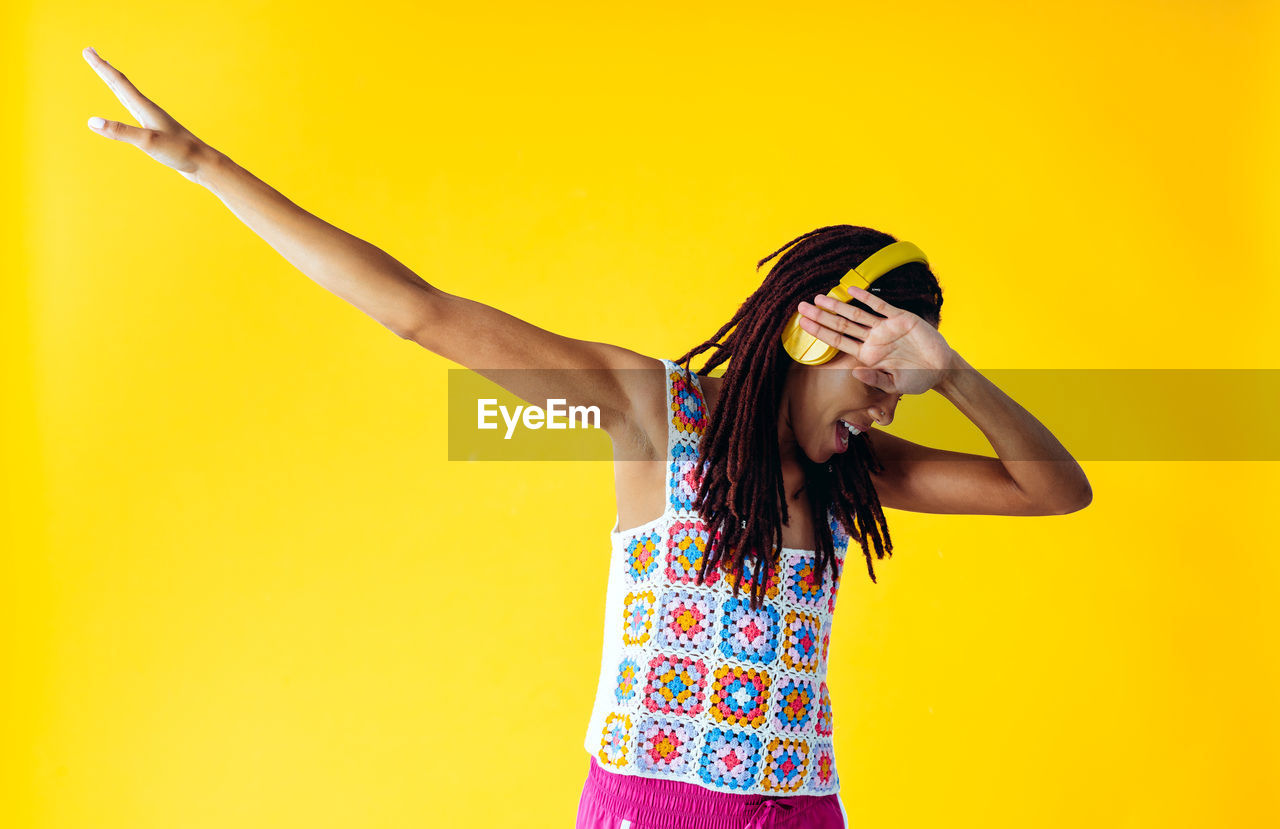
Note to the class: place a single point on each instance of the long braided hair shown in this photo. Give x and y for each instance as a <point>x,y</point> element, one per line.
<point>740,494</point>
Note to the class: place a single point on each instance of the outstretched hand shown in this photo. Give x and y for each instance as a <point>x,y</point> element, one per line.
<point>900,352</point>
<point>160,136</point>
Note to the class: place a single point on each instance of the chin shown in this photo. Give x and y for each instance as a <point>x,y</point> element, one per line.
<point>821,457</point>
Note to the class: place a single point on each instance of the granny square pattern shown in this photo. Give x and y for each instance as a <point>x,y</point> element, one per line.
<point>739,696</point>
<point>823,778</point>
<point>800,642</point>
<point>684,620</point>
<point>666,746</point>
<point>748,579</point>
<point>695,684</point>
<point>676,685</point>
<point>802,586</point>
<point>642,555</point>
<point>686,545</point>
<point>795,705</point>
<point>730,759</point>
<point>785,764</point>
<point>748,635</point>
<point>824,711</point>
<point>628,677</point>
<point>684,476</point>
<point>616,740</point>
<point>687,411</point>
<point>841,540</point>
<point>637,610</point>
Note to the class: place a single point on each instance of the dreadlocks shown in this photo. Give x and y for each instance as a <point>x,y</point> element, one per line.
<point>741,465</point>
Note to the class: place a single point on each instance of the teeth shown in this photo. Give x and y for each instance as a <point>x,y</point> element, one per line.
<point>853,429</point>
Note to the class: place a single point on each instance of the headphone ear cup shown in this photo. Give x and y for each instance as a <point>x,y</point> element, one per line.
<point>802,346</point>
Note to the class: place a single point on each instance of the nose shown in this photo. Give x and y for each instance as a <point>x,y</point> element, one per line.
<point>884,409</point>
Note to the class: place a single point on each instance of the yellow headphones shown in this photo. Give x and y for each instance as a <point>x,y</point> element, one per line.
<point>808,349</point>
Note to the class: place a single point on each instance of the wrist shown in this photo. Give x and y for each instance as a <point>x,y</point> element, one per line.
<point>952,373</point>
<point>209,162</point>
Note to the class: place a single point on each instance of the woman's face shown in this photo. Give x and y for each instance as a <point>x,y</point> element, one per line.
<point>819,400</point>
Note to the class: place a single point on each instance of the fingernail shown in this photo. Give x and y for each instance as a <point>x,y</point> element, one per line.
<point>96,123</point>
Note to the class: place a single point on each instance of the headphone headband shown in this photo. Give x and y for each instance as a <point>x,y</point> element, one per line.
<point>811,351</point>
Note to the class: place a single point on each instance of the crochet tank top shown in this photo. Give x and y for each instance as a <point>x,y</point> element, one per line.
<point>694,685</point>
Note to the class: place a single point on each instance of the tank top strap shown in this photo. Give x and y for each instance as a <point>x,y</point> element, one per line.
<point>687,408</point>
<point>687,420</point>
<point>839,536</point>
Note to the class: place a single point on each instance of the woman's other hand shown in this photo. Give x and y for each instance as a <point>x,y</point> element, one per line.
<point>160,136</point>
<point>900,352</point>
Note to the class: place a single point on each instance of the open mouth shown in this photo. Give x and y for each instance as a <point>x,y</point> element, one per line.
<point>844,431</point>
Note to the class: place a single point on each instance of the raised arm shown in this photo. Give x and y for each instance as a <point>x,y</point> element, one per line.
<point>469,333</point>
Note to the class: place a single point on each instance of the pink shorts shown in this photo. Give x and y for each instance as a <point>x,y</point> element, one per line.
<point>624,801</point>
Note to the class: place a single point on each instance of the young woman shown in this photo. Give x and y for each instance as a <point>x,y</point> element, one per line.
<point>712,708</point>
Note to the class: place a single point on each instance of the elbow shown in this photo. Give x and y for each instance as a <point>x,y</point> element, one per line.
<point>1081,498</point>
<point>421,319</point>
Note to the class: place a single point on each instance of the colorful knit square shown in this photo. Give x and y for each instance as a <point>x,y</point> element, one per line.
<point>676,685</point>
<point>795,705</point>
<point>685,620</point>
<point>833,586</point>
<point>800,643</point>
<point>730,758</point>
<point>687,413</point>
<point>665,746</point>
<point>739,696</point>
<point>748,578</point>
<point>823,777</point>
<point>683,476</point>
<point>824,724</point>
<point>802,587</point>
<point>615,740</point>
<point>748,635</point>
<point>686,546</point>
<point>841,539</point>
<point>785,764</point>
<point>637,612</point>
<point>642,555</point>
<point>624,687</point>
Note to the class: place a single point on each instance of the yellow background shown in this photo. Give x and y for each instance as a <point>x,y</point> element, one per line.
<point>242,585</point>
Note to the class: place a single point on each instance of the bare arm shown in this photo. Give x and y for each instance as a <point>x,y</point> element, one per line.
<point>901,353</point>
<point>1040,467</point>
<point>1047,481</point>
<point>467,332</point>
<point>364,275</point>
